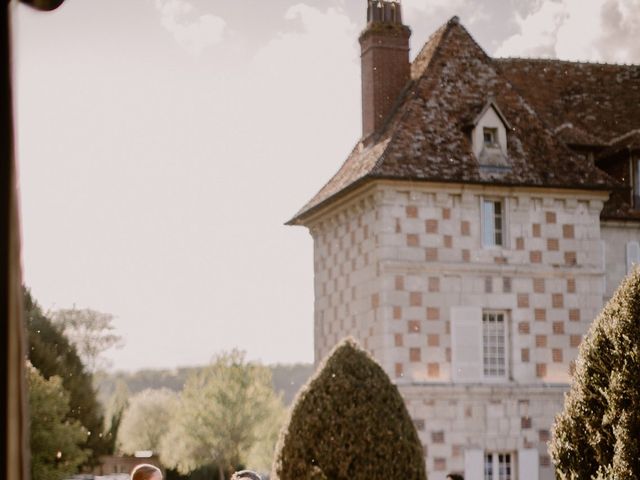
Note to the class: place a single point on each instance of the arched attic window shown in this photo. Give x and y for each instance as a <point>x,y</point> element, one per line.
<point>489,137</point>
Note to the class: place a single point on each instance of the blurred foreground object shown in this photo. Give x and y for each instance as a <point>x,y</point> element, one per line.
<point>14,439</point>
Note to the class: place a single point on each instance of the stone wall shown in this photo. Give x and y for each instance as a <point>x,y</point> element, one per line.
<point>616,235</point>
<point>345,265</point>
<point>451,420</point>
<point>394,260</point>
<point>547,277</point>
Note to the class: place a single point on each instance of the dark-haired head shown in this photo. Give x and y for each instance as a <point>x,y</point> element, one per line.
<point>146,472</point>
<point>246,475</point>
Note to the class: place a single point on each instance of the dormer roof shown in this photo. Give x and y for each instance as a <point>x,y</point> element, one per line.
<point>425,137</point>
<point>490,104</point>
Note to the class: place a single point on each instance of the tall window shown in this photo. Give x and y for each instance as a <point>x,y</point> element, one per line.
<point>492,223</point>
<point>498,466</point>
<point>636,187</point>
<point>494,344</point>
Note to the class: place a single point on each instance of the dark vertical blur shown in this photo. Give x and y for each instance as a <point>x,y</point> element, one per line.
<point>14,445</point>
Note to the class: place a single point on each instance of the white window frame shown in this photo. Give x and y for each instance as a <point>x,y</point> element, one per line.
<point>493,132</point>
<point>506,346</point>
<point>633,255</point>
<point>636,186</point>
<point>467,345</point>
<point>495,466</point>
<point>483,222</point>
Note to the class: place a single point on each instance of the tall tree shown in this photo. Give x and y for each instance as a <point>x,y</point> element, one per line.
<point>53,355</point>
<point>146,420</point>
<point>598,432</point>
<point>220,413</point>
<point>115,407</point>
<point>56,440</point>
<point>90,331</point>
<point>260,457</point>
<point>349,423</point>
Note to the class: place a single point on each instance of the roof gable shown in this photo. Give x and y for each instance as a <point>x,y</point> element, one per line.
<point>490,104</point>
<point>426,136</point>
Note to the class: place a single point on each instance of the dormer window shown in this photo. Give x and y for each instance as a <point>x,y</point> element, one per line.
<point>491,137</point>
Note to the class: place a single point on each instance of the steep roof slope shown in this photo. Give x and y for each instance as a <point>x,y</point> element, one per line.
<point>576,98</point>
<point>426,137</point>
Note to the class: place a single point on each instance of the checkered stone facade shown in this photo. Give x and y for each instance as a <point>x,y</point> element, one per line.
<point>449,420</point>
<point>392,263</point>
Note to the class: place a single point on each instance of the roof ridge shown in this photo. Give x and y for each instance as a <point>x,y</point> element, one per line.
<point>560,60</point>
<point>625,135</point>
<point>442,32</point>
<point>413,82</point>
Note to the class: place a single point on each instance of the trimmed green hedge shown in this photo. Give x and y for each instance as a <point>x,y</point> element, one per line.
<point>349,422</point>
<point>598,432</point>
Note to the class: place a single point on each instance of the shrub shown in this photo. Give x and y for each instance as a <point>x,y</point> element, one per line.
<point>349,422</point>
<point>598,432</point>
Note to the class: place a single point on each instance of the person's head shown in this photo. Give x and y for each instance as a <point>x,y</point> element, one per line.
<point>454,476</point>
<point>245,475</point>
<point>145,471</point>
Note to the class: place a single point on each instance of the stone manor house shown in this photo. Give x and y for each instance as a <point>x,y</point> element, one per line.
<point>489,210</point>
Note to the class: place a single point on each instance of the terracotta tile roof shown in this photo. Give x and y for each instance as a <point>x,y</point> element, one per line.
<point>426,137</point>
<point>629,142</point>
<point>600,99</point>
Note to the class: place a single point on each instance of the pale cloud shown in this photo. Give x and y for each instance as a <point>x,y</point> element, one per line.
<point>432,5</point>
<point>596,30</point>
<point>620,28</point>
<point>193,31</point>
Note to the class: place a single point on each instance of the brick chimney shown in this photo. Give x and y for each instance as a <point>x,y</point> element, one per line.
<point>385,61</point>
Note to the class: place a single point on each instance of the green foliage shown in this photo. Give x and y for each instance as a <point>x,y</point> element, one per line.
<point>53,355</point>
<point>598,432</point>
<point>349,422</point>
<point>146,420</point>
<point>260,457</point>
<point>90,331</point>
<point>220,415</point>
<point>115,408</point>
<point>55,439</point>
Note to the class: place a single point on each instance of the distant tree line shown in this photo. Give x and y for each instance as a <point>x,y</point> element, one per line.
<point>287,379</point>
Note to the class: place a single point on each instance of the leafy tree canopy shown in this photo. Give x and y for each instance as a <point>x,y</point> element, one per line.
<point>219,418</point>
<point>597,435</point>
<point>146,420</point>
<point>90,331</point>
<point>56,440</point>
<point>349,423</point>
<point>52,354</point>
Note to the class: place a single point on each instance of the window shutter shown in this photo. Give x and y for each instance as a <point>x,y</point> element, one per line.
<point>474,464</point>
<point>528,464</point>
<point>466,344</point>
<point>633,255</point>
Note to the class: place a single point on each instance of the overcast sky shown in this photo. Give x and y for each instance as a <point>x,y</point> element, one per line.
<point>162,144</point>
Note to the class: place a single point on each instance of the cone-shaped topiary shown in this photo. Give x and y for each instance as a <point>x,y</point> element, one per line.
<point>598,432</point>
<point>349,422</point>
